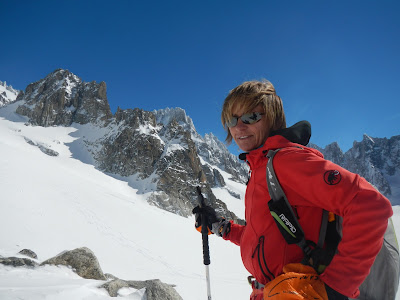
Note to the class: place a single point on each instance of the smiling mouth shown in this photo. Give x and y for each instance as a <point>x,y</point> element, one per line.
<point>244,137</point>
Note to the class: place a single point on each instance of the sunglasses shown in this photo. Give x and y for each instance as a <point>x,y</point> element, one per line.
<point>249,118</point>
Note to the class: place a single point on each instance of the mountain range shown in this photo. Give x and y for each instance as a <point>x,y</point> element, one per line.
<point>160,152</point>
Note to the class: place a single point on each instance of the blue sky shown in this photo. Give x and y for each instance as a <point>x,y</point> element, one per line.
<point>334,63</point>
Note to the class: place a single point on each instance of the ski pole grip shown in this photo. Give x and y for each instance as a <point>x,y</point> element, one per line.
<point>204,229</point>
<point>206,250</point>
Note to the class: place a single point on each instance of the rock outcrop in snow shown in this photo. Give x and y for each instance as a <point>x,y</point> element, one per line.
<point>84,262</point>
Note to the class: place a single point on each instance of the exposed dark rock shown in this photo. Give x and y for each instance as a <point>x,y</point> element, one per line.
<point>63,98</point>
<point>17,262</point>
<point>113,286</point>
<point>28,253</point>
<point>155,289</point>
<point>43,148</point>
<point>130,150</point>
<point>82,260</point>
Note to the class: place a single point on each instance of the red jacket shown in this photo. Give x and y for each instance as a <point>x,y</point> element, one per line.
<point>303,174</point>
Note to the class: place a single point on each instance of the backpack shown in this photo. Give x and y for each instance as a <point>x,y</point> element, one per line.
<point>383,279</point>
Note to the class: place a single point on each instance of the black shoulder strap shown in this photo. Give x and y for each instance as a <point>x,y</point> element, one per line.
<point>283,214</point>
<point>279,206</point>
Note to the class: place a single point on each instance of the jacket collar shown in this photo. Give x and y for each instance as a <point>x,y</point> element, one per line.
<point>297,135</point>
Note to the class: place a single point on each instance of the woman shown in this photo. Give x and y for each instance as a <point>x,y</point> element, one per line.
<point>254,118</point>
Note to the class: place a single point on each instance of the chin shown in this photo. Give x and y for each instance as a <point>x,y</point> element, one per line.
<point>246,148</point>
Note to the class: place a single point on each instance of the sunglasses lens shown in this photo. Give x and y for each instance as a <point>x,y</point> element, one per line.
<point>251,118</point>
<point>232,122</point>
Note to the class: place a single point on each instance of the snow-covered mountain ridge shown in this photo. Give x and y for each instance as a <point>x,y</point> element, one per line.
<point>160,153</point>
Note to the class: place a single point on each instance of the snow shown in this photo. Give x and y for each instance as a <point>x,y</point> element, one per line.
<point>151,131</point>
<point>367,137</point>
<point>48,282</point>
<point>166,115</point>
<point>394,182</point>
<point>234,205</point>
<point>9,93</point>
<point>173,147</point>
<point>51,204</point>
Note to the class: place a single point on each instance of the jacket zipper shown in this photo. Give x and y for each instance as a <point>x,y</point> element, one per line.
<point>262,264</point>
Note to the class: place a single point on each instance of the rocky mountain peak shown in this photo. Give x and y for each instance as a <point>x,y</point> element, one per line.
<point>367,139</point>
<point>7,94</point>
<point>62,98</point>
<point>135,118</point>
<point>334,153</point>
<point>178,115</point>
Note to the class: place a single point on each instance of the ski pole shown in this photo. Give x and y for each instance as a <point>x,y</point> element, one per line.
<point>204,235</point>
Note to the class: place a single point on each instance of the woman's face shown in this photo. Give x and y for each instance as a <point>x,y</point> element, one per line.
<point>249,136</point>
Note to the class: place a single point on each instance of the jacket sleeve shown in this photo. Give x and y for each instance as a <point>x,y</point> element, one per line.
<point>235,234</point>
<point>365,212</point>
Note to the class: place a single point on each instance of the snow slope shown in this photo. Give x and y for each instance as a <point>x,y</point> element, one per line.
<point>54,203</point>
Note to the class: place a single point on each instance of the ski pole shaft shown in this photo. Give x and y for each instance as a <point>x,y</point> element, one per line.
<point>204,230</point>
<point>208,282</point>
<point>204,236</point>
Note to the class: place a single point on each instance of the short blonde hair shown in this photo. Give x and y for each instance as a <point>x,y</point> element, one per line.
<point>248,96</point>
